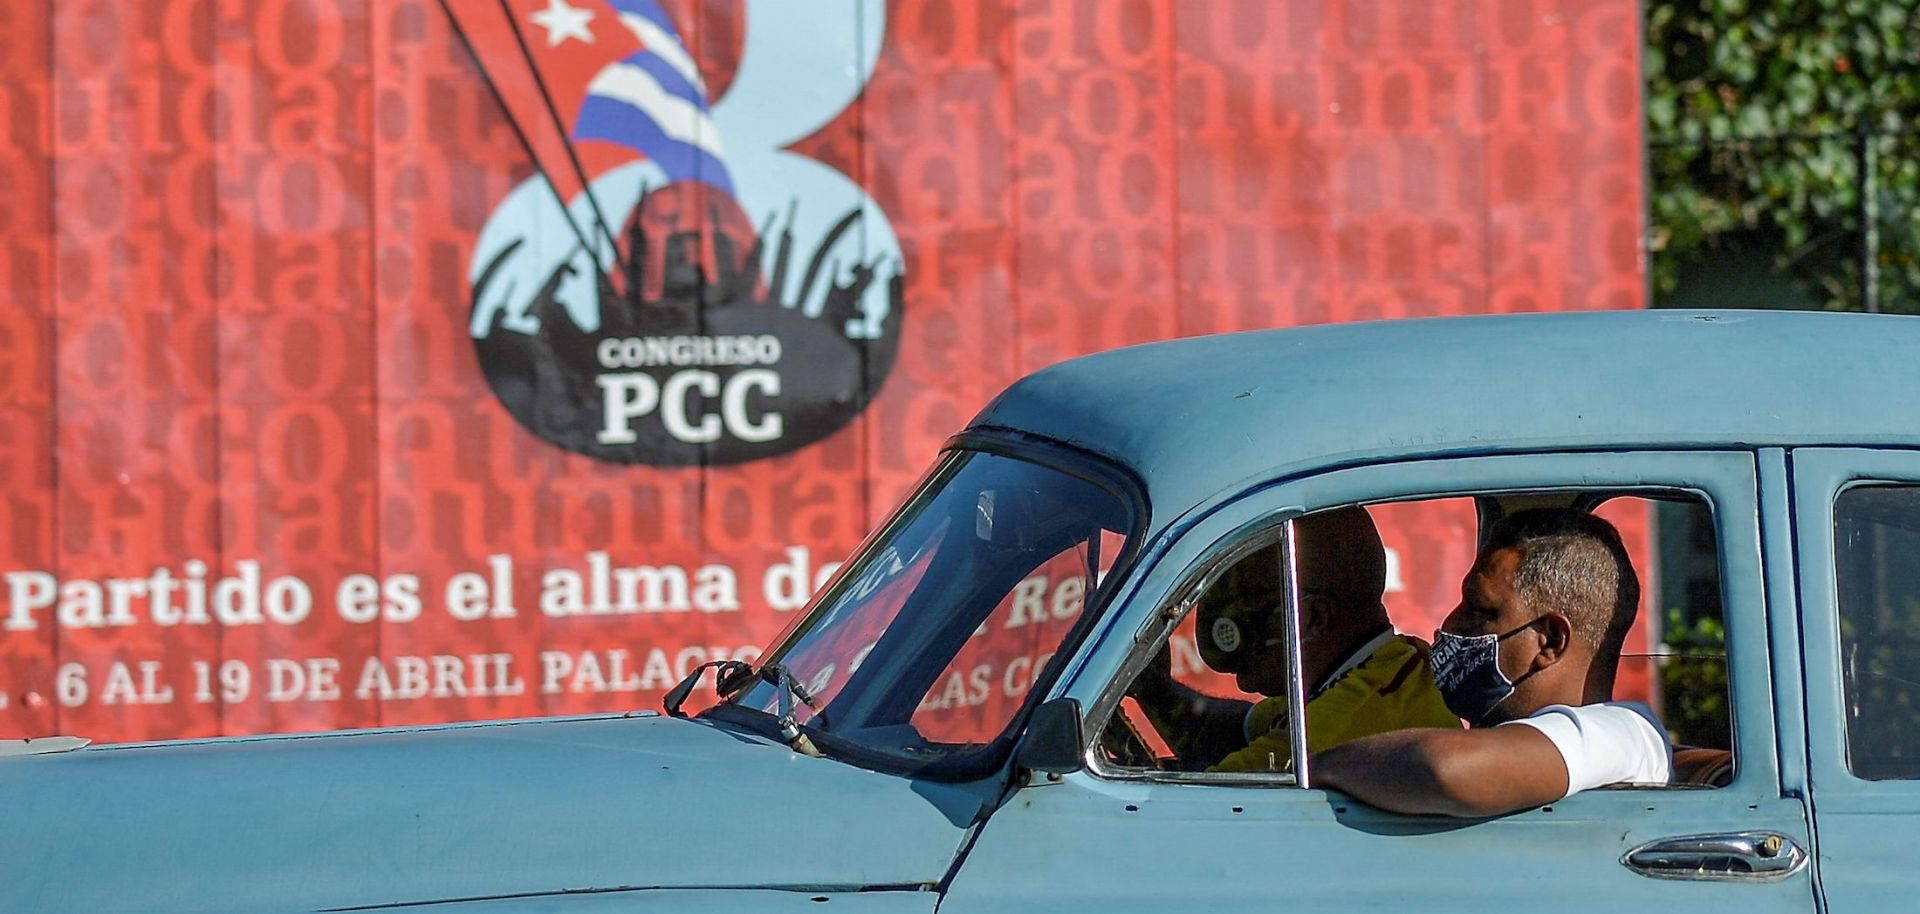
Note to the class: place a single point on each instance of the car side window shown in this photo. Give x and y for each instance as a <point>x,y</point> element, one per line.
<point>1877,569</point>
<point>1187,710</point>
<point>1374,582</point>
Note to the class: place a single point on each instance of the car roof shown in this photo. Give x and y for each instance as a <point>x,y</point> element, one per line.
<point>1203,417</point>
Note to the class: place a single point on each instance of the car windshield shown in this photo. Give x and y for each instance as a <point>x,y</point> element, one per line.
<point>925,649</point>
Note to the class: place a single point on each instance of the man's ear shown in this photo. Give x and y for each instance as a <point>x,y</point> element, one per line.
<point>1556,638</point>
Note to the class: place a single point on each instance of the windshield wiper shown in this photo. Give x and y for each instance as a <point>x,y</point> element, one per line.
<point>790,688</point>
<point>731,676</point>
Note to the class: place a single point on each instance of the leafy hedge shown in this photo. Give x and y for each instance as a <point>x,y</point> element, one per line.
<point>1693,681</point>
<point>1755,111</point>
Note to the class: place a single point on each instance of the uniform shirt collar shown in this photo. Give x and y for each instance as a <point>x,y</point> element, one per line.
<point>1359,656</point>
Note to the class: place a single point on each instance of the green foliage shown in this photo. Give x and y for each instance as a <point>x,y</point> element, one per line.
<point>1693,681</point>
<point>1755,113</point>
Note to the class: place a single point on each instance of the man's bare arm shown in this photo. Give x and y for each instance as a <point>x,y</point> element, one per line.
<point>1466,773</point>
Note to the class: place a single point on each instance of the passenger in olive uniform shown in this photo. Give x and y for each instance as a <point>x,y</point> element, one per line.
<point>1362,677</point>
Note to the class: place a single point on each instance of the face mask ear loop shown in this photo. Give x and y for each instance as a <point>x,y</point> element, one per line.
<point>1515,682</point>
<point>1520,628</point>
<point>1296,685</point>
<point>1516,690</point>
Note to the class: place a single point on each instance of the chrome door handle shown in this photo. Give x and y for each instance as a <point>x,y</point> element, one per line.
<point>1748,856</point>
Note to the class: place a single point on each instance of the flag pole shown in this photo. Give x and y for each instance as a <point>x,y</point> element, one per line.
<point>553,111</point>
<point>520,134</point>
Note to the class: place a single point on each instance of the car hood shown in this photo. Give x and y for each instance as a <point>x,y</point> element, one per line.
<point>488,810</point>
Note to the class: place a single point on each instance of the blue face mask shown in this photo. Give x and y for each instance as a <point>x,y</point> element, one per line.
<point>1467,671</point>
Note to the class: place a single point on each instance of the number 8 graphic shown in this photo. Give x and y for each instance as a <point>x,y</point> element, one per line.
<point>752,365</point>
<point>803,64</point>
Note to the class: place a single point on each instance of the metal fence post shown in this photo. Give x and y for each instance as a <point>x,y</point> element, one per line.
<point>1869,190</point>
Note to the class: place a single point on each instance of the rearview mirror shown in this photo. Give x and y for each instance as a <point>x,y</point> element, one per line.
<point>1007,518</point>
<point>1021,519</point>
<point>1055,739</point>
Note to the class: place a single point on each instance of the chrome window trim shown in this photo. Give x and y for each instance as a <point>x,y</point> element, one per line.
<point>1296,686</point>
<point>1153,634</point>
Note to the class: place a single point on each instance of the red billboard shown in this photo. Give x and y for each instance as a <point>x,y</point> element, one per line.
<point>409,361</point>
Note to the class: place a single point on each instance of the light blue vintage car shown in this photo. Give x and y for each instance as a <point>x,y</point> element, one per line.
<point>948,727</point>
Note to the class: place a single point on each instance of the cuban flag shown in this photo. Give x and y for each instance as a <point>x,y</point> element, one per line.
<point>654,102</point>
<point>619,79</point>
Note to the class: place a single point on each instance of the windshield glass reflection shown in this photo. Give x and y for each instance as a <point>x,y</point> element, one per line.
<point>926,649</point>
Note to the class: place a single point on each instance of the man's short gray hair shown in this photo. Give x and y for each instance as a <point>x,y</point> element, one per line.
<point>1573,563</point>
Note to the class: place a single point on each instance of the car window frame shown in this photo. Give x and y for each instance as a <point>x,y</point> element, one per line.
<point>1224,554</point>
<point>1839,611</point>
<point>1725,480</point>
<point>1820,477</point>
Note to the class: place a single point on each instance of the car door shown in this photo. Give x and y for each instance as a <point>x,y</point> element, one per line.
<point>1097,841</point>
<point>1857,516</point>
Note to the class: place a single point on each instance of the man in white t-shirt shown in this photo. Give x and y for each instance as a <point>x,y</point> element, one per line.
<point>1527,660</point>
